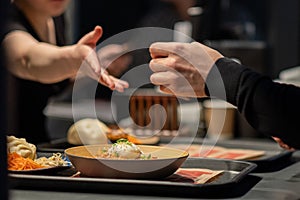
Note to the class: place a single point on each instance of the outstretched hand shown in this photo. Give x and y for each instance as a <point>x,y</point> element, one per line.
<point>91,66</point>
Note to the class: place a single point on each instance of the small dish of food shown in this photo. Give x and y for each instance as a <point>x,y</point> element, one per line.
<point>124,159</point>
<point>42,165</point>
<point>23,158</point>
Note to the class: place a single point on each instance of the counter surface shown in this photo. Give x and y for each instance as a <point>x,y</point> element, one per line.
<point>282,184</point>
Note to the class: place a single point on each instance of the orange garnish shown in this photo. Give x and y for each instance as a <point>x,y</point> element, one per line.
<point>17,162</point>
<point>133,139</point>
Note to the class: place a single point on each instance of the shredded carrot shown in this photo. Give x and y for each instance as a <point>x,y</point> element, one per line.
<point>17,162</point>
<point>133,139</point>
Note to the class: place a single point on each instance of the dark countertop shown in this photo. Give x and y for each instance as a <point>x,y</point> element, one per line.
<point>282,184</point>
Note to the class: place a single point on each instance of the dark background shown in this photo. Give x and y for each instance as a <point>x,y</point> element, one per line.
<point>273,47</point>
<point>276,22</point>
<point>3,160</point>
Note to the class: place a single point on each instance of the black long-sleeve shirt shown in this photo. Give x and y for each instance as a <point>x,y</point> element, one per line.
<point>271,108</point>
<point>31,97</point>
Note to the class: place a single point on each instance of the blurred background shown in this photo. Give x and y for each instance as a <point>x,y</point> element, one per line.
<point>265,28</point>
<point>261,34</point>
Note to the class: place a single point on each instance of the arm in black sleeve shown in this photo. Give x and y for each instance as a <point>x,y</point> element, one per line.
<point>270,107</point>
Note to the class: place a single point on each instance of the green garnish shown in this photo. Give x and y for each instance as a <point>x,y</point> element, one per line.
<point>123,140</point>
<point>145,156</point>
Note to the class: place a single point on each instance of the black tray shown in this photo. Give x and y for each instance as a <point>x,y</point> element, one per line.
<point>274,159</point>
<point>234,182</point>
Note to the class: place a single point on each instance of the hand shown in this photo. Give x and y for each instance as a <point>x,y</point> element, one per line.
<point>282,144</point>
<point>114,59</point>
<point>182,68</point>
<point>91,66</point>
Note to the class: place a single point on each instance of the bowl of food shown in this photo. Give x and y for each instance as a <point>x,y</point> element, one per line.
<point>124,159</point>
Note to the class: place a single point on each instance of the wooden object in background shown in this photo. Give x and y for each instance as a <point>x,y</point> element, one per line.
<point>141,102</point>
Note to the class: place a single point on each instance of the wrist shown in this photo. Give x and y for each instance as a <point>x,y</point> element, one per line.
<point>76,57</point>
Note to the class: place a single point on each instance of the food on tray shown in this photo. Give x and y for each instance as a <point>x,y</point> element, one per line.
<point>116,133</point>
<point>88,131</point>
<point>154,161</point>
<point>17,162</point>
<point>119,133</point>
<point>21,155</point>
<point>53,161</point>
<point>123,149</point>
<point>21,147</point>
<point>92,131</point>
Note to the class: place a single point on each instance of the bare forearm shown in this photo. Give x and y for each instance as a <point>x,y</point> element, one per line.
<point>47,63</point>
<point>38,61</point>
<point>30,59</point>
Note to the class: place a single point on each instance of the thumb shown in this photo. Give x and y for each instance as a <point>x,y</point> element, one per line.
<point>92,37</point>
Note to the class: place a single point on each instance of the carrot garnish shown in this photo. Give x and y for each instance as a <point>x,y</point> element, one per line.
<point>17,162</point>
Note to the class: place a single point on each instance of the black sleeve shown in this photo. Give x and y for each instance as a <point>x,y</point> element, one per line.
<point>271,108</point>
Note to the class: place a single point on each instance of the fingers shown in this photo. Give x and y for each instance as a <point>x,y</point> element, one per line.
<point>163,65</point>
<point>95,70</point>
<point>165,89</point>
<point>161,49</point>
<point>163,78</point>
<point>159,64</point>
<point>119,84</point>
<point>92,37</point>
<point>173,61</point>
<point>106,80</point>
<point>98,31</point>
<point>112,82</point>
<point>282,144</point>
